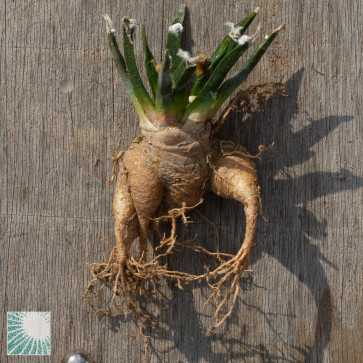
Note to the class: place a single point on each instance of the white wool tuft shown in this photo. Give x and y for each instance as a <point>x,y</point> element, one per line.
<point>191,98</point>
<point>187,57</point>
<point>244,39</point>
<point>229,24</point>
<point>176,29</point>
<point>235,31</point>
<point>183,54</point>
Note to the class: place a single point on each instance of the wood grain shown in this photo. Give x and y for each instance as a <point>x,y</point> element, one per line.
<point>63,110</point>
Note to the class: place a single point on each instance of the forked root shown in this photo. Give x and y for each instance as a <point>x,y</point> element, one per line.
<point>172,216</point>
<point>133,280</point>
<point>229,272</point>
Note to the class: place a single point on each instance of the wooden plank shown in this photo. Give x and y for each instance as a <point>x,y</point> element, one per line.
<point>63,110</point>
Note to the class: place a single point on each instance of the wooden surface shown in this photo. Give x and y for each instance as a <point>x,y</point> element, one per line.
<point>63,110</point>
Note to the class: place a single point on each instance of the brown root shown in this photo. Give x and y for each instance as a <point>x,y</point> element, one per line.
<point>115,160</point>
<point>229,272</point>
<point>229,148</point>
<point>134,279</point>
<point>227,170</point>
<point>233,176</point>
<point>172,216</point>
<point>130,280</point>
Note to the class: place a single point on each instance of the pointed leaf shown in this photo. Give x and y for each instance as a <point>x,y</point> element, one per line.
<point>164,78</point>
<point>226,45</point>
<point>203,78</point>
<point>179,18</point>
<point>180,79</point>
<point>182,75</point>
<point>217,76</point>
<point>134,75</point>
<point>237,78</point>
<point>244,24</point>
<point>121,67</point>
<point>165,105</point>
<point>152,74</point>
<point>173,41</point>
<point>148,55</point>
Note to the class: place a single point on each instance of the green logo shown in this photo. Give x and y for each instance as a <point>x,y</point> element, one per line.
<point>29,333</point>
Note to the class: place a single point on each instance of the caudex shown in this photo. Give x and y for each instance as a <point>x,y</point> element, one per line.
<point>176,159</point>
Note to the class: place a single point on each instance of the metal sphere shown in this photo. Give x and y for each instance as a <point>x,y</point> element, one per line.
<point>77,356</point>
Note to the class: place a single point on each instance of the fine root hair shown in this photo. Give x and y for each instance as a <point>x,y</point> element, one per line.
<point>136,280</point>
<point>250,100</point>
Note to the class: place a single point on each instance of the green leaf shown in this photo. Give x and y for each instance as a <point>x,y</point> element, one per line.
<point>182,75</point>
<point>180,102</point>
<point>203,108</point>
<point>164,79</point>
<point>180,80</point>
<point>223,50</point>
<point>148,55</point>
<point>121,67</point>
<point>226,45</point>
<point>152,74</point>
<point>173,40</point>
<point>179,18</point>
<point>203,78</point>
<point>217,76</point>
<point>237,78</point>
<point>244,24</point>
<point>165,104</point>
<point>134,75</point>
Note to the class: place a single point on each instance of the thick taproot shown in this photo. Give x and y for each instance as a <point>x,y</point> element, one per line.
<point>173,159</point>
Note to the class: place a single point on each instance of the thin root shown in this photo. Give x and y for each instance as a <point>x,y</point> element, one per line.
<point>229,148</point>
<point>230,272</point>
<point>252,99</point>
<point>217,233</point>
<point>115,160</point>
<point>135,278</point>
<point>173,215</point>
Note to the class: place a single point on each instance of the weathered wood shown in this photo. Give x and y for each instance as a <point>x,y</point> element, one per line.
<point>63,110</point>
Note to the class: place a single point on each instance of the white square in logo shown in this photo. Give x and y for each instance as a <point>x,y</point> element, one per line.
<point>28,333</point>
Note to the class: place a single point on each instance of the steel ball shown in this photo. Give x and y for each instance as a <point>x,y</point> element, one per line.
<point>79,356</point>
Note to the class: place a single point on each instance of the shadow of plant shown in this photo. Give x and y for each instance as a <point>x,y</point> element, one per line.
<point>181,325</point>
